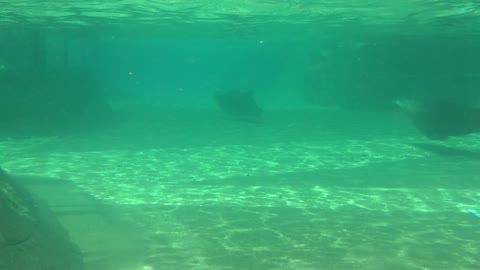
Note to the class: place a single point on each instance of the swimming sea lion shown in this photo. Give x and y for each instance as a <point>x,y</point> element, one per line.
<point>440,119</point>
<point>239,104</point>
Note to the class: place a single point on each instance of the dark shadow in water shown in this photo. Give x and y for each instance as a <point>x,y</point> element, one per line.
<point>447,151</point>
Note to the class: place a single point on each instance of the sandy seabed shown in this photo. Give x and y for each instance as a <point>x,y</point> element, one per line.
<point>304,190</point>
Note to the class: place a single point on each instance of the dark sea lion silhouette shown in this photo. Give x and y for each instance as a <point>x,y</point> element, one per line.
<point>441,119</point>
<point>239,104</point>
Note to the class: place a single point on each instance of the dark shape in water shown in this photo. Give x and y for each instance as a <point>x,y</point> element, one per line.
<point>239,104</point>
<point>52,102</point>
<point>440,119</point>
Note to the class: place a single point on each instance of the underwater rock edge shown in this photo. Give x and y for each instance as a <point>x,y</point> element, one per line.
<point>31,238</point>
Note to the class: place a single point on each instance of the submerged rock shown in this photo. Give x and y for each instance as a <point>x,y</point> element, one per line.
<point>30,236</point>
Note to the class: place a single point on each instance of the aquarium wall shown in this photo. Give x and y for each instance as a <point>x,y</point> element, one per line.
<point>369,72</point>
<point>43,89</point>
<point>105,68</point>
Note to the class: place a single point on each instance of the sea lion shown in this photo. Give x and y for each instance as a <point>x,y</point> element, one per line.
<point>239,104</point>
<point>441,119</point>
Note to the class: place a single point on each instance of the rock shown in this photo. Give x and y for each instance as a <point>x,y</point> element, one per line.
<point>30,236</point>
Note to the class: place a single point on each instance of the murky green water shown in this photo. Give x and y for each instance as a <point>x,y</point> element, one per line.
<point>116,98</point>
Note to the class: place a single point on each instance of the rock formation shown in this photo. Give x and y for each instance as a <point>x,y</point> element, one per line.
<point>30,236</point>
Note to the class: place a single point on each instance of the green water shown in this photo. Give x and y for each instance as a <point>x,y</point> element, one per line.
<point>108,114</point>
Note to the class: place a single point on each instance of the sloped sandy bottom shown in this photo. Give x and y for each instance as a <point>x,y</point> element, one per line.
<point>304,191</point>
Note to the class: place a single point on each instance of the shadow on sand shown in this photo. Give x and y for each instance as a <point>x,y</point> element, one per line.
<point>447,151</point>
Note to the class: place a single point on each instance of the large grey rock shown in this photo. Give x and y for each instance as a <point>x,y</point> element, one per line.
<point>30,236</point>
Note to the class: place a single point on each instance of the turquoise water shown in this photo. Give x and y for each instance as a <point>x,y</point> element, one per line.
<point>108,113</point>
